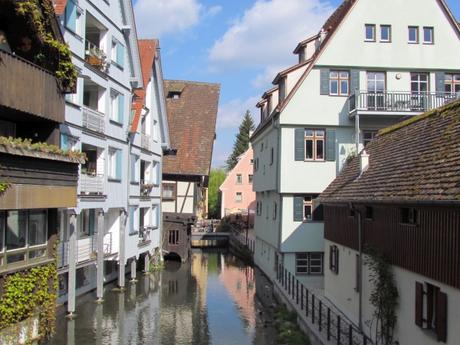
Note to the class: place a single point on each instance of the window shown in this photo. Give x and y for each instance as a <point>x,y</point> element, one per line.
<point>174,94</point>
<point>385,33</point>
<point>419,83</point>
<point>309,263</point>
<point>261,147</point>
<point>68,142</point>
<point>156,173</point>
<point>87,224</point>
<point>118,53</point>
<point>452,83</point>
<point>115,161</point>
<point>239,197</point>
<point>409,216</point>
<point>428,35</point>
<point>413,34</point>
<point>72,18</point>
<point>117,108</point>
<point>272,156</point>
<point>339,83</point>
<point>256,164</point>
<point>370,32</point>
<point>169,191</point>
<point>376,88</point>
<point>369,213</point>
<point>134,168</point>
<point>252,161</point>
<point>259,208</point>
<point>431,309</point>
<point>307,208</point>
<point>250,177</point>
<point>155,216</point>
<point>275,210</point>
<point>368,136</point>
<point>7,129</point>
<point>132,220</point>
<point>239,179</point>
<point>314,144</point>
<point>173,237</point>
<point>334,259</point>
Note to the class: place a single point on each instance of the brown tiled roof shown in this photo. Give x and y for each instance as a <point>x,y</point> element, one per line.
<point>192,126</point>
<point>59,6</point>
<point>416,160</point>
<point>147,52</point>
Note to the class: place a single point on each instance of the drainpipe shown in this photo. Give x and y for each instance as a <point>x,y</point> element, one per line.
<point>359,268</point>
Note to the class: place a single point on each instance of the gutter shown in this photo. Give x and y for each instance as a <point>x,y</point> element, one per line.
<point>393,202</point>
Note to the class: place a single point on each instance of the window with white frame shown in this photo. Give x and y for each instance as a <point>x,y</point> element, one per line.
<point>118,53</point>
<point>114,164</point>
<point>169,191</point>
<point>87,223</point>
<point>117,109</point>
<point>156,173</point>
<point>250,178</point>
<point>72,18</point>
<point>310,263</point>
<point>385,33</point>
<point>452,83</point>
<point>413,35</point>
<point>134,168</point>
<point>314,144</point>
<point>428,35</point>
<point>339,82</point>
<point>368,136</point>
<point>238,197</point>
<point>308,208</point>
<point>155,216</point>
<point>369,32</point>
<point>239,179</point>
<point>132,220</point>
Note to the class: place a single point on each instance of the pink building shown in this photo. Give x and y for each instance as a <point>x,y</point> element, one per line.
<point>237,193</point>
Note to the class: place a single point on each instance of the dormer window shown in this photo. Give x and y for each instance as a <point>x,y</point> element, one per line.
<point>282,90</point>
<point>174,94</point>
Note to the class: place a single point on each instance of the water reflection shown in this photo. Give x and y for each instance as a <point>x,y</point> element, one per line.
<point>209,300</point>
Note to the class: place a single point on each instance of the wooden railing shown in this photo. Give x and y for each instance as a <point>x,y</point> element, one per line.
<point>398,101</point>
<point>92,184</point>
<point>30,88</point>
<point>93,120</point>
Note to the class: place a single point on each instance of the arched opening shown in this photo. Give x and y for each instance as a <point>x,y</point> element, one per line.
<point>172,256</point>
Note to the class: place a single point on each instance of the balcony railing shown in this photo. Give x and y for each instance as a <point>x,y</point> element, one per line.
<point>405,102</point>
<point>144,235</point>
<point>146,188</point>
<point>90,184</point>
<point>93,120</point>
<point>86,251</point>
<point>95,56</point>
<point>145,141</point>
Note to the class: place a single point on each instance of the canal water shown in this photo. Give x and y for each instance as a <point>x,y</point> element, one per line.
<point>208,301</point>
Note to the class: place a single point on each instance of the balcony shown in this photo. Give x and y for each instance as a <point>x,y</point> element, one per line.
<point>144,235</point>
<point>146,188</point>
<point>95,56</point>
<point>92,184</point>
<point>396,103</point>
<point>93,120</point>
<point>29,88</point>
<point>145,141</point>
<point>86,251</point>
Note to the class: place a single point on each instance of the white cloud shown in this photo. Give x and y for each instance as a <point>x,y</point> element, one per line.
<point>155,18</point>
<point>213,11</point>
<point>267,33</point>
<point>231,113</point>
<point>266,77</point>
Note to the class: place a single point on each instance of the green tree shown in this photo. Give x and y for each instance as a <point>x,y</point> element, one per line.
<point>242,140</point>
<point>216,178</point>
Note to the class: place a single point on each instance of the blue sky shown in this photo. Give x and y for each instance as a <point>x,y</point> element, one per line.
<point>240,44</point>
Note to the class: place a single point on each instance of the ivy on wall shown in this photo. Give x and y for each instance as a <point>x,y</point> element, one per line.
<point>28,293</point>
<point>3,187</point>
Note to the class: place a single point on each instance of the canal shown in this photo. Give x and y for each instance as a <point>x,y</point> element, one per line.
<point>209,300</point>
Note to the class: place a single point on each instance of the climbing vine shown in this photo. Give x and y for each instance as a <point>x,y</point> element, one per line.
<point>3,187</point>
<point>28,293</point>
<point>384,298</point>
<point>56,55</point>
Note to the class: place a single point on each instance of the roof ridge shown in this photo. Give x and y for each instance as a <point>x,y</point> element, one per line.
<point>192,82</point>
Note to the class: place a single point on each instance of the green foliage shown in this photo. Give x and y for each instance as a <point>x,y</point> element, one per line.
<point>28,293</point>
<point>216,178</point>
<point>26,144</point>
<point>55,55</point>
<point>288,332</point>
<point>156,264</point>
<point>224,226</point>
<point>3,187</point>
<point>384,298</point>
<point>242,140</point>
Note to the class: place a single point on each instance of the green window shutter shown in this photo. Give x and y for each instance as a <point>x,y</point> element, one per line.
<point>120,54</point>
<point>64,142</point>
<point>330,145</point>
<point>71,16</point>
<point>299,144</point>
<point>324,80</point>
<point>354,81</point>
<point>118,166</point>
<point>440,80</point>
<point>298,209</point>
<point>121,107</point>
<point>92,221</point>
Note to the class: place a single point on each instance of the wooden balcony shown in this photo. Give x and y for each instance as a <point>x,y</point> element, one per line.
<point>29,88</point>
<point>397,103</point>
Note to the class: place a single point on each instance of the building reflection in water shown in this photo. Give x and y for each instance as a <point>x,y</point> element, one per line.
<point>209,300</point>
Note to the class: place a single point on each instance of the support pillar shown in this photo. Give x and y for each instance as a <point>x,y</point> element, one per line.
<point>100,256</point>
<point>357,133</point>
<point>147,263</point>
<point>72,260</point>
<point>133,270</point>
<point>121,253</point>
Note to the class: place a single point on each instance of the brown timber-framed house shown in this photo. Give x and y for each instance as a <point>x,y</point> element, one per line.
<point>36,177</point>
<point>192,113</point>
<point>401,198</point>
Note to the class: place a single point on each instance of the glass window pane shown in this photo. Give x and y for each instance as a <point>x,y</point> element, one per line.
<point>456,77</point>
<point>413,34</point>
<point>320,149</point>
<point>370,29</point>
<point>344,87</point>
<point>457,88</point>
<point>428,35</point>
<point>333,75</point>
<point>307,212</point>
<point>37,227</point>
<point>385,33</point>
<point>334,87</point>
<point>308,133</point>
<point>320,133</point>
<point>16,226</point>
<point>448,88</point>
<point>309,149</point>
<point>344,75</point>
<point>449,77</point>
<point>14,258</point>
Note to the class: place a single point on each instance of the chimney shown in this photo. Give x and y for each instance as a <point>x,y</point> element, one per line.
<point>364,161</point>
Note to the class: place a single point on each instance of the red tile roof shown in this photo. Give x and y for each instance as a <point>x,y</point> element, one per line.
<point>192,126</point>
<point>147,52</point>
<point>416,160</point>
<point>59,6</point>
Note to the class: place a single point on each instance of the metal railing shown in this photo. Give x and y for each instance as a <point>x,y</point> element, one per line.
<point>246,241</point>
<point>93,120</point>
<point>90,184</point>
<point>320,313</point>
<point>145,141</point>
<point>398,101</point>
<point>86,251</point>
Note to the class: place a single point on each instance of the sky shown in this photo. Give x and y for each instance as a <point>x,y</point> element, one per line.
<point>240,44</point>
